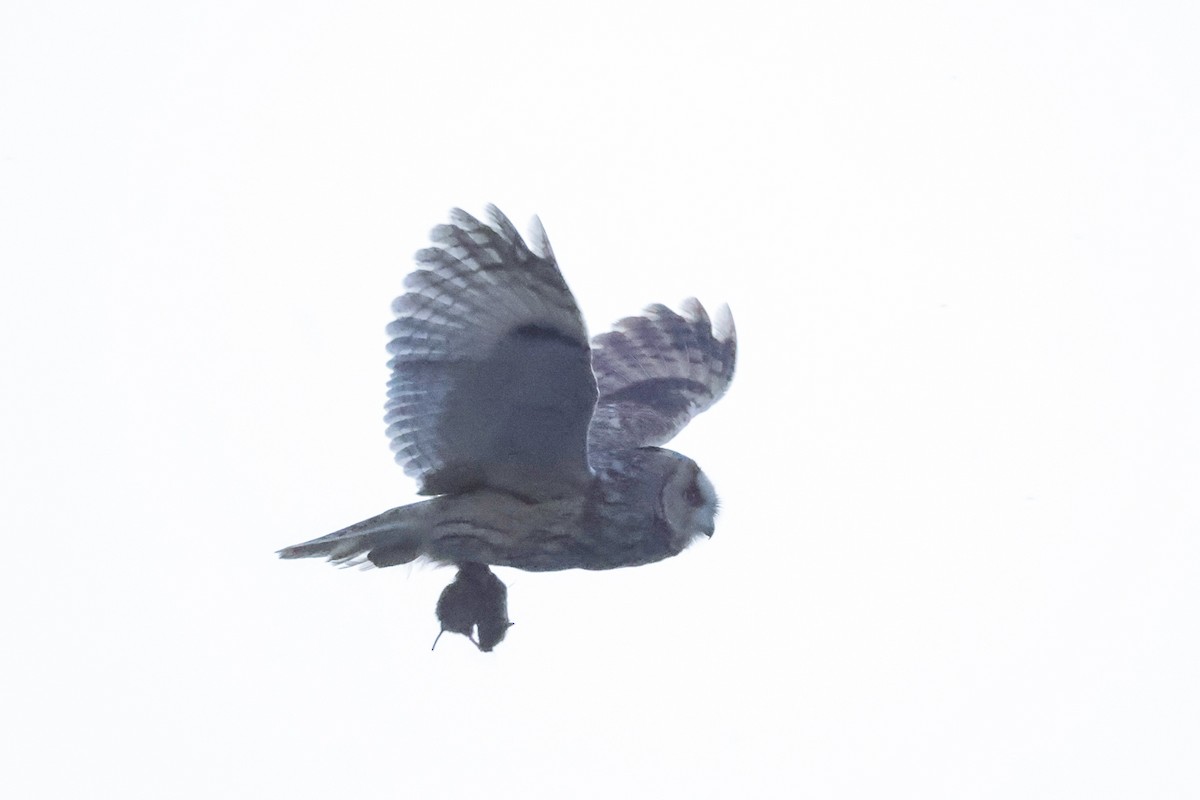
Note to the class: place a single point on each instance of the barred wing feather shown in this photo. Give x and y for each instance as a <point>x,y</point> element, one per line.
<point>491,382</point>
<point>658,370</point>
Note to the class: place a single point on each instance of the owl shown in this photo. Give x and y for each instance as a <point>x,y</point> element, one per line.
<point>540,450</point>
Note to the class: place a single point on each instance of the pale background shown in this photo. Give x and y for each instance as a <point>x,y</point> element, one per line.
<point>959,466</point>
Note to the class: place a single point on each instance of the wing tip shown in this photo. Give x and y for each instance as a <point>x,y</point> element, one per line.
<point>719,323</point>
<point>723,328</point>
<point>539,240</point>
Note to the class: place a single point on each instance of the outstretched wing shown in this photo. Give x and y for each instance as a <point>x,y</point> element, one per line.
<point>492,382</point>
<point>657,371</point>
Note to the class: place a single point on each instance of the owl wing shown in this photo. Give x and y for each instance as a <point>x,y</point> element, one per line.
<point>491,371</point>
<point>658,370</point>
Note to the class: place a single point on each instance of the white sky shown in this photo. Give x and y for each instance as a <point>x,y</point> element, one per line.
<point>959,465</point>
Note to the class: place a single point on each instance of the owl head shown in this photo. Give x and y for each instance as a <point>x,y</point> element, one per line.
<point>689,502</point>
<point>672,485</point>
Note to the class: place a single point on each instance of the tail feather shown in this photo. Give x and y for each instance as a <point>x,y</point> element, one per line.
<point>391,531</point>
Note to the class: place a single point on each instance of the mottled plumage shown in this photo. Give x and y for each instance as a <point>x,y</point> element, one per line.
<point>540,448</point>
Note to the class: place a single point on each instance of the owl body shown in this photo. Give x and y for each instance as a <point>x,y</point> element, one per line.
<point>541,448</point>
<point>640,506</point>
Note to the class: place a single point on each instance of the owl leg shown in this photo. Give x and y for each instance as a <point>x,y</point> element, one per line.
<point>475,605</point>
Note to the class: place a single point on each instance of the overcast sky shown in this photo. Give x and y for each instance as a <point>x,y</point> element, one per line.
<point>959,466</point>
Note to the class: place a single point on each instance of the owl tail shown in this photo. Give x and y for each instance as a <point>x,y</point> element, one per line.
<point>391,538</point>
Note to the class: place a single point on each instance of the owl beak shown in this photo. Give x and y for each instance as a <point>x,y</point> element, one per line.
<point>709,530</point>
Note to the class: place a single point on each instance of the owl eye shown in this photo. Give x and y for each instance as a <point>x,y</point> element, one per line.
<point>693,496</point>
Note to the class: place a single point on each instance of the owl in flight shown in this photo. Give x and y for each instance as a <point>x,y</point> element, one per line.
<point>541,450</point>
